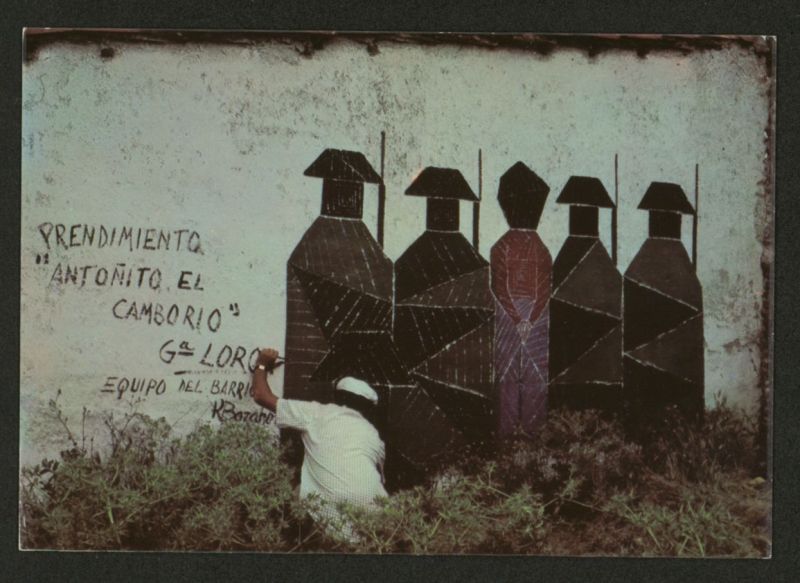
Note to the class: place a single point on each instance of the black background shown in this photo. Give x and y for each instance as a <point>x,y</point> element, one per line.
<point>780,18</point>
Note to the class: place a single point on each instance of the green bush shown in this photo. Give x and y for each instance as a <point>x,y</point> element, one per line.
<point>726,441</point>
<point>577,458</point>
<point>457,514</point>
<point>580,487</point>
<point>678,519</point>
<point>216,489</point>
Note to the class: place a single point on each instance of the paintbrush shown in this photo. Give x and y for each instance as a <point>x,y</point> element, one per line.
<point>279,361</point>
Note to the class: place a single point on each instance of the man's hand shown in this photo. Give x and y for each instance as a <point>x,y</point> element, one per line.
<point>267,357</point>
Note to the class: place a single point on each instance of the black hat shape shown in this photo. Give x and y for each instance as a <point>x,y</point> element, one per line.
<point>666,196</point>
<point>344,165</point>
<point>522,194</point>
<point>585,191</point>
<point>447,183</point>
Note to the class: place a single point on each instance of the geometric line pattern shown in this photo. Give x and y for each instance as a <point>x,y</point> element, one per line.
<point>338,280</point>
<point>444,329</point>
<point>521,280</point>
<point>663,332</point>
<point>586,327</point>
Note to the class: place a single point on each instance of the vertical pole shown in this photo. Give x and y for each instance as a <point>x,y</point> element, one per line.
<point>476,208</point>
<point>696,213</point>
<point>614,211</point>
<point>381,192</point>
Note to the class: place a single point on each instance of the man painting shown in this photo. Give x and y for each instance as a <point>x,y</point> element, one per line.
<point>343,449</point>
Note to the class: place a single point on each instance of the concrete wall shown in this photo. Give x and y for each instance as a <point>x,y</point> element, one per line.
<point>213,139</point>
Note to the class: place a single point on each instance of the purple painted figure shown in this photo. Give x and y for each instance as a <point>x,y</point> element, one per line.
<point>521,269</point>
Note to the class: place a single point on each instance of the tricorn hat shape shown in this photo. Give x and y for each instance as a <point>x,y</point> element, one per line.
<point>343,165</point>
<point>666,196</point>
<point>447,183</point>
<point>586,191</point>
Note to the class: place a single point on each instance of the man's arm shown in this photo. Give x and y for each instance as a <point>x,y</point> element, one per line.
<point>262,394</point>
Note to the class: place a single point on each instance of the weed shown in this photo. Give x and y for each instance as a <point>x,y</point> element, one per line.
<point>578,488</point>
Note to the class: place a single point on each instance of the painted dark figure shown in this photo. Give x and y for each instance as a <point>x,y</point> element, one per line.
<point>663,317</point>
<point>338,278</point>
<point>521,274</point>
<point>444,320</point>
<point>585,308</point>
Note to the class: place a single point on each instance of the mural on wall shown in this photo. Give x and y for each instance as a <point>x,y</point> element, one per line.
<point>586,307</point>
<point>663,299</point>
<point>217,244</point>
<point>521,274</point>
<point>428,349</point>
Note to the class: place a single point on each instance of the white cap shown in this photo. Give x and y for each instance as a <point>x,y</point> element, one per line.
<point>357,387</point>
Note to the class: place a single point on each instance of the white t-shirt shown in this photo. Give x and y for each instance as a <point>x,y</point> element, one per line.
<point>344,454</point>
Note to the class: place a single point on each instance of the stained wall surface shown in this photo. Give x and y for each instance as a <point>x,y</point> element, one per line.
<point>197,152</point>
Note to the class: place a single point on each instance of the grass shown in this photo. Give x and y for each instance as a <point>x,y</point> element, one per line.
<point>579,488</point>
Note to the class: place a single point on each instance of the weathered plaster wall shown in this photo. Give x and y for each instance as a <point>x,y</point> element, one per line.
<point>215,138</point>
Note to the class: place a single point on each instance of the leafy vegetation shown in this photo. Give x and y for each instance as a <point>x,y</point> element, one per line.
<point>580,487</point>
